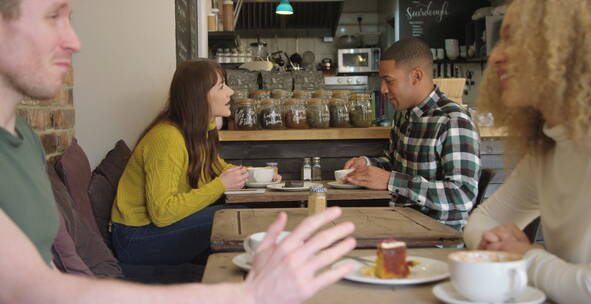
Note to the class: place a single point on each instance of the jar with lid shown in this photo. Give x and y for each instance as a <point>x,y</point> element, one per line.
<point>295,114</point>
<point>259,94</point>
<point>245,115</point>
<point>281,96</point>
<point>270,114</point>
<point>316,200</point>
<point>323,94</point>
<point>302,95</point>
<point>228,15</point>
<point>318,114</point>
<point>339,113</point>
<point>341,94</point>
<point>361,112</point>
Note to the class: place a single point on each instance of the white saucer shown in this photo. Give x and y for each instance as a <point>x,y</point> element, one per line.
<point>447,293</point>
<point>340,185</point>
<point>259,185</point>
<point>242,261</point>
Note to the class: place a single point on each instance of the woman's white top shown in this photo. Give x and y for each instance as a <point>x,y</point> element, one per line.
<point>556,186</point>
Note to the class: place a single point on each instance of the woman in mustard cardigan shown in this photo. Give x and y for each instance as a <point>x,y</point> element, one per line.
<point>162,212</point>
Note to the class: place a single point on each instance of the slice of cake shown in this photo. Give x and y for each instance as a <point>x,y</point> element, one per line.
<point>293,184</point>
<point>391,260</point>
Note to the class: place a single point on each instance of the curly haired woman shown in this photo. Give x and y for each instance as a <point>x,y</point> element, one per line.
<point>162,212</point>
<point>538,86</point>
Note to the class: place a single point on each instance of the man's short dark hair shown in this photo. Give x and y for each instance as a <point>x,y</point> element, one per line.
<point>410,52</point>
<point>10,9</point>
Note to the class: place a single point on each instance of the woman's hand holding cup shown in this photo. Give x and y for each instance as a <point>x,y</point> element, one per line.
<point>234,178</point>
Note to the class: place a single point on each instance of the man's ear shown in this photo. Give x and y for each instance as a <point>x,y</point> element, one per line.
<point>416,75</point>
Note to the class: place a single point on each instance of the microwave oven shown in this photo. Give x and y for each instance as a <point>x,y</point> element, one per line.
<point>366,60</point>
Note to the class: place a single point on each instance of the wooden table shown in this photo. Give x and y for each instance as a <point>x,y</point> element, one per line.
<point>332,194</point>
<point>219,268</point>
<point>231,226</point>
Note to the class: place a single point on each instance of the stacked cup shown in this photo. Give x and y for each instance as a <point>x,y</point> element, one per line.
<point>452,48</point>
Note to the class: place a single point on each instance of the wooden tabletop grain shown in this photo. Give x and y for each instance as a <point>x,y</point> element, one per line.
<point>231,226</point>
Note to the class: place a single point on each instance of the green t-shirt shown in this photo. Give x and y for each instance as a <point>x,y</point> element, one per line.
<point>25,191</point>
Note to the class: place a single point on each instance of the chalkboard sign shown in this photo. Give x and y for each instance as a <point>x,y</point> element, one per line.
<point>436,20</point>
<point>186,30</point>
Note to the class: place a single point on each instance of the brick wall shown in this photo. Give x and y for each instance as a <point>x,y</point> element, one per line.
<point>53,120</point>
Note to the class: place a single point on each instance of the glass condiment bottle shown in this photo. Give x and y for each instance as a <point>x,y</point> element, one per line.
<point>316,169</point>
<point>318,114</point>
<point>270,115</point>
<point>361,112</point>
<point>245,115</point>
<point>295,114</point>
<point>316,200</point>
<point>339,113</point>
<point>306,170</point>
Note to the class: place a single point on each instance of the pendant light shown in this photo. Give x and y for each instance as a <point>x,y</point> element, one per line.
<point>284,8</point>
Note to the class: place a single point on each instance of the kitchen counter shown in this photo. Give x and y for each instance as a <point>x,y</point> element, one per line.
<point>326,134</point>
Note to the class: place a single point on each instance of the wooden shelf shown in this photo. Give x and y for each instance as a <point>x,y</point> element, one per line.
<point>327,134</point>
<point>307,134</point>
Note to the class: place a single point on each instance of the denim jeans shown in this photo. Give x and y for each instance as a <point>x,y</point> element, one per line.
<point>174,244</point>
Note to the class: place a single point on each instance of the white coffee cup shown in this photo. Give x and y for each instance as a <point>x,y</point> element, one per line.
<point>340,174</point>
<point>452,48</point>
<point>253,241</point>
<point>260,174</point>
<point>434,53</point>
<point>488,276</point>
<point>440,54</point>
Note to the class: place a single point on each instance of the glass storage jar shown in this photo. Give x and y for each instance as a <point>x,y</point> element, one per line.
<point>295,114</point>
<point>259,94</point>
<point>270,115</point>
<point>302,95</point>
<point>341,94</point>
<point>318,114</point>
<point>245,115</point>
<point>281,96</point>
<point>323,94</point>
<point>236,97</point>
<point>361,112</point>
<point>339,113</point>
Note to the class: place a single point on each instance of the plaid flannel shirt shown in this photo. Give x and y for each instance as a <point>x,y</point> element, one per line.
<point>434,159</point>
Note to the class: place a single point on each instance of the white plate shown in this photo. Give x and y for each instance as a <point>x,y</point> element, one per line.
<point>340,185</point>
<point>427,270</point>
<point>281,187</point>
<point>447,293</point>
<point>259,185</point>
<point>242,261</point>
<point>246,191</point>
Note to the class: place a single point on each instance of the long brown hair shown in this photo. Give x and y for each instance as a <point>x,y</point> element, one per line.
<point>553,48</point>
<point>188,109</point>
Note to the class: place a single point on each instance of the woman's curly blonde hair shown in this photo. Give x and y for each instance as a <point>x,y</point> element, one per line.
<point>549,53</point>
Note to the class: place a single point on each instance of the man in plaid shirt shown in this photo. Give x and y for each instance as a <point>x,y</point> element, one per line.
<point>433,163</point>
